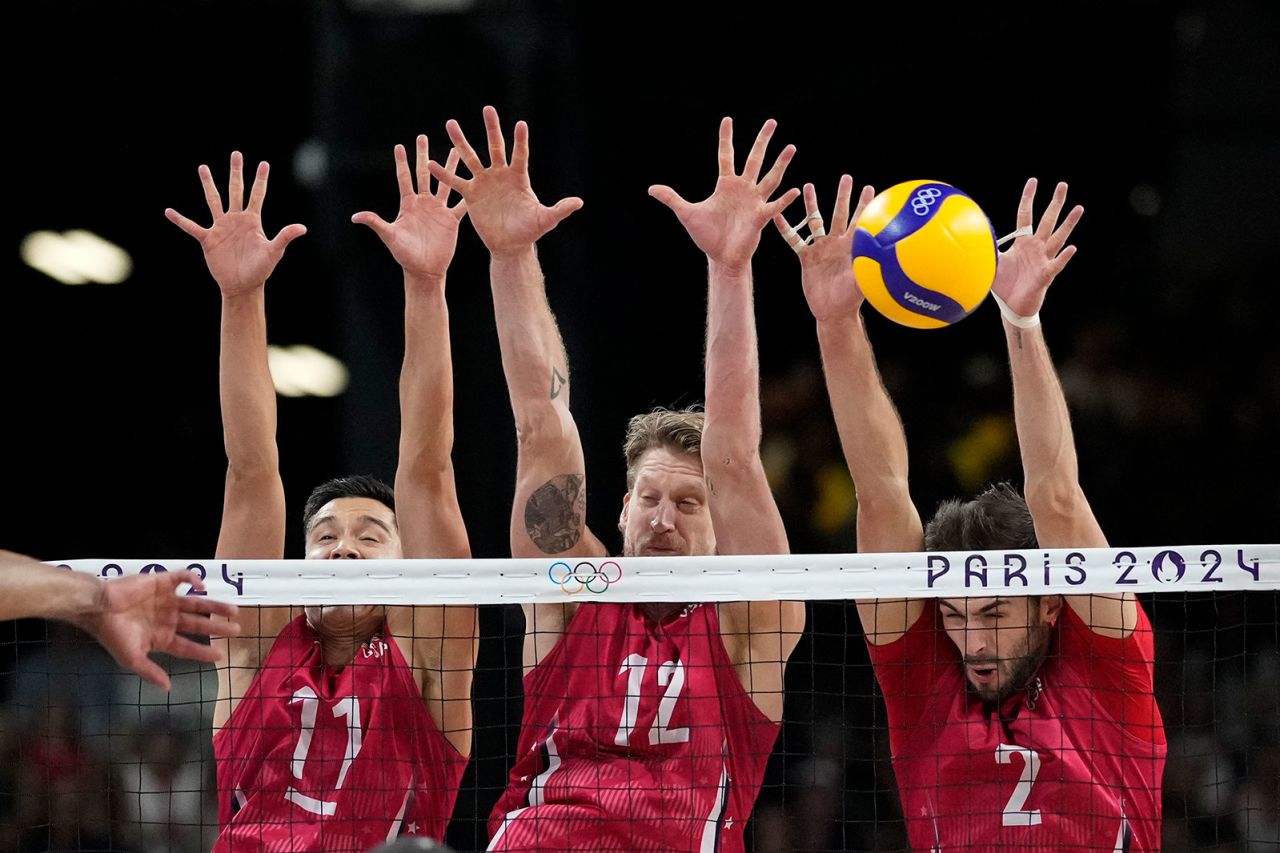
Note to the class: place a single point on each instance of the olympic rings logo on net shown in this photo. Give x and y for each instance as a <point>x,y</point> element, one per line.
<point>584,575</point>
<point>924,199</point>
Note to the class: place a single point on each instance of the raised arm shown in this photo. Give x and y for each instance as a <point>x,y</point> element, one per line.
<point>548,514</point>
<point>875,447</point>
<point>1062,514</point>
<point>131,617</point>
<point>240,259</point>
<point>422,240</point>
<point>726,227</point>
<point>442,641</point>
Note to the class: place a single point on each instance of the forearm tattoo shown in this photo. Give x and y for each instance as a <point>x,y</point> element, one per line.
<point>554,512</point>
<point>557,383</point>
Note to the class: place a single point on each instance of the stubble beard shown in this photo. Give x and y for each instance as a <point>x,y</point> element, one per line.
<point>1021,670</point>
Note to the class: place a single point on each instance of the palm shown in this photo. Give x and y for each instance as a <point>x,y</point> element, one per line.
<point>423,237</point>
<point>1029,266</point>
<point>505,211</point>
<point>500,200</point>
<point>424,234</point>
<point>238,253</point>
<point>726,225</point>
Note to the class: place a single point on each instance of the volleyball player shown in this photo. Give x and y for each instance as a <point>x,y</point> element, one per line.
<point>131,617</point>
<point>345,726</point>
<point>645,727</point>
<point>1016,722</point>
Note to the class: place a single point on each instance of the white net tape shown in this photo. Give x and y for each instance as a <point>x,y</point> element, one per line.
<point>819,577</point>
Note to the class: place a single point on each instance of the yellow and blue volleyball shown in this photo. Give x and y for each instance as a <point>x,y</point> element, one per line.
<point>924,254</point>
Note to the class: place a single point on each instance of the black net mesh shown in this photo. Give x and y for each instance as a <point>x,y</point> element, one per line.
<point>93,759</point>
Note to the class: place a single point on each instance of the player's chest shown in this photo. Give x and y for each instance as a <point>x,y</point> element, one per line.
<point>327,710</point>
<point>1007,767</point>
<point>641,691</point>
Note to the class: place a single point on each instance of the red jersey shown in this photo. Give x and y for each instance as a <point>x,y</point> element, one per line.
<point>1073,764</point>
<point>636,736</point>
<point>320,760</point>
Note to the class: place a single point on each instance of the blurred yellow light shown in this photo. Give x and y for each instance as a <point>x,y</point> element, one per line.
<point>304,371</point>
<point>76,257</point>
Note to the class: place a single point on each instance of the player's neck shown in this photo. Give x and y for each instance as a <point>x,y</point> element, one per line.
<point>659,612</point>
<point>339,653</point>
<point>339,648</point>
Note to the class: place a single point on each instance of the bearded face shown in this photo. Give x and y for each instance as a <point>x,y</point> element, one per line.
<point>1002,641</point>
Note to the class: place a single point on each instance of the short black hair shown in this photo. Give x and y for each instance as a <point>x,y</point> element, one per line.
<point>995,520</point>
<point>355,486</point>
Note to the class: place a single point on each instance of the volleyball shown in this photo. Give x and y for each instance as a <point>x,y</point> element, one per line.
<point>924,254</point>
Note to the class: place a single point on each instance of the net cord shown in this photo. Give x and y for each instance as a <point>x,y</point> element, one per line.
<point>818,577</point>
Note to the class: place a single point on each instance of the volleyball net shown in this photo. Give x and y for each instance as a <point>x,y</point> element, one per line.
<point>998,707</point>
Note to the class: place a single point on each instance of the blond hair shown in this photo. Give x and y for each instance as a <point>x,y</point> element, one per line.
<point>679,430</point>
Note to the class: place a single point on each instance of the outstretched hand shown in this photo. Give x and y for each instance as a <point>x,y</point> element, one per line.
<point>504,210</point>
<point>826,266</point>
<point>237,251</point>
<point>424,234</point>
<point>726,225</point>
<point>1027,268</point>
<point>142,614</point>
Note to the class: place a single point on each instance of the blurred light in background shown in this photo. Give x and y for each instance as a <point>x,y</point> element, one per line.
<point>311,164</point>
<point>304,371</point>
<point>412,7</point>
<point>1145,200</point>
<point>76,257</point>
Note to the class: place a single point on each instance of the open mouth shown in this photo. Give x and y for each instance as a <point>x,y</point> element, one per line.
<point>982,674</point>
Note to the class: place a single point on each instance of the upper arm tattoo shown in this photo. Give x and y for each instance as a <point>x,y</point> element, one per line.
<point>554,512</point>
<point>557,383</point>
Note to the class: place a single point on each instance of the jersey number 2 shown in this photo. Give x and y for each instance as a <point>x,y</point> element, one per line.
<point>670,676</point>
<point>349,708</point>
<point>1014,813</point>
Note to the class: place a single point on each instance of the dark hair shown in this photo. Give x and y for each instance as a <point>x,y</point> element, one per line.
<point>356,486</point>
<point>678,430</point>
<point>994,520</point>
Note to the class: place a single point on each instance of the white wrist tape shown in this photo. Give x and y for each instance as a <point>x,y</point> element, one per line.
<point>1016,319</point>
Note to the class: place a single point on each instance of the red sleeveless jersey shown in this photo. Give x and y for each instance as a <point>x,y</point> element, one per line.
<point>317,760</point>
<point>1071,765</point>
<point>636,736</point>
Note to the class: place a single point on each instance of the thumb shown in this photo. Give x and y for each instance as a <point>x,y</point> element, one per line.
<point>669,197</point>
<point>781,204</point>
<point>149,670</point>
<point>287,235</point>
<point>565,206</point>
<point>373,220</point>
<point>184,223</point>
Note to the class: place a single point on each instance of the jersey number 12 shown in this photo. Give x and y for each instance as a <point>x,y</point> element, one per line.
<point>670,676</point>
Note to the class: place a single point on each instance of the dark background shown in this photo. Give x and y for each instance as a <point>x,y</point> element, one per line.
<point>1163,117</point>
